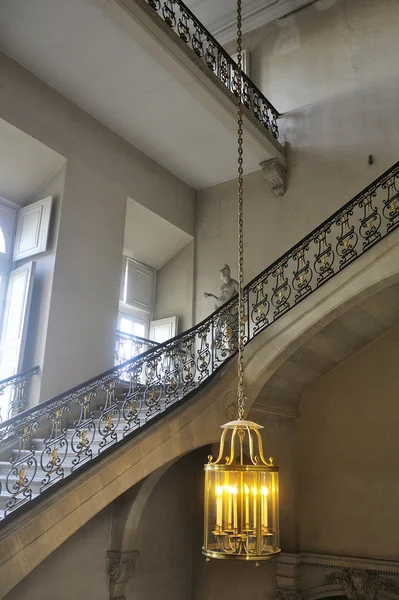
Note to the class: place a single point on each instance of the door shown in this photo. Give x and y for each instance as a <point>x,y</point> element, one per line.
<point>14,328</point>
<point>162,330</point>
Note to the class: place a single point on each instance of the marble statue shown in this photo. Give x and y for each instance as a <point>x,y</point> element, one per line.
<point>228,288</point>
<point>225,333</point>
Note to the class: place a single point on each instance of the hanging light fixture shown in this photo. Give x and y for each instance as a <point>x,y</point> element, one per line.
<point>241,488</point>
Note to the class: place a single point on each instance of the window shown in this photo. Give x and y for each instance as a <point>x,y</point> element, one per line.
<point>2,242</point>
<point>130,325</point>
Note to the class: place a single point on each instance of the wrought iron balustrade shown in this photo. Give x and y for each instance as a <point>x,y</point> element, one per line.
<point>14,392</point>
<point>105,411</point>
<point>129,346</point>
<point>186,25</point>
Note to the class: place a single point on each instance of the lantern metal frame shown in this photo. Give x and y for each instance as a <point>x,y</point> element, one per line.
<point>241,520</point>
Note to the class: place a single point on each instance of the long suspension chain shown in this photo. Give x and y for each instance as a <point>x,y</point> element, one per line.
<point>240,184</point>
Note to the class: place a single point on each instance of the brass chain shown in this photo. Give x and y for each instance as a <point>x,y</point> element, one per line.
<point>240,184</point>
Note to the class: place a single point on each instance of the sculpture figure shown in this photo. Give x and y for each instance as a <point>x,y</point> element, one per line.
<point>228,288</point>
<point>226,326</point>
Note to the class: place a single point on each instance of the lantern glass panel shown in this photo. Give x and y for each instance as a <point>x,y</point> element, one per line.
<point>241,512</point>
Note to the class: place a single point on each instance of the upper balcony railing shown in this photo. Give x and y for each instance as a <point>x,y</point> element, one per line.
<point>186,25</point>
<point>129,346</point>
<point>103,412</point>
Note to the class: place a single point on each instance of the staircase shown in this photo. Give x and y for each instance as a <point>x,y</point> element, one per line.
<point>47,445</point>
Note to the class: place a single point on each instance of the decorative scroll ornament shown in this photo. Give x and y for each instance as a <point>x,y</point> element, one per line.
<point>360,584</point>
<point>241,487</point>
<point>120,569</point>
<point>286,594</point>
<point>275,174</point>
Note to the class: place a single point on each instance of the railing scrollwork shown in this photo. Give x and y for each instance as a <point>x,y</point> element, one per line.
<point>186,25</point>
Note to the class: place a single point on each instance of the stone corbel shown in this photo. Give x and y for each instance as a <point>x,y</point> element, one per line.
<point>275,173</point>
<point>120,568</point>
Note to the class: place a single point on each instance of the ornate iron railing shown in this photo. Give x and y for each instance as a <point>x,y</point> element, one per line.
<point>102,413</point>
<point>186,25</point>
<point>14,393</point>
<point>129,346</point>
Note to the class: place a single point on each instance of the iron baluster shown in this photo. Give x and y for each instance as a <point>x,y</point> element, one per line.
<point>391,203</point>
<point>132,403</point>
<point>197,43</point>
<point>203,354</point>
<point>281,291</point>
<point>182,26</point>
<point>261,305</point>
<point>347,240</point>
<point>324,258</point>
<point>303,274</point>
<point>55,450</point>
<point>210,55</point>
<point>168,13</point>
<point>110,416</point>
<point>370,222</point>
<point>23,469</point>
<point>84,431</point>
<point>153,388</point>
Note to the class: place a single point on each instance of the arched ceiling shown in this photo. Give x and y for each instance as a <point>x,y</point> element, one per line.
<point>348,333</point>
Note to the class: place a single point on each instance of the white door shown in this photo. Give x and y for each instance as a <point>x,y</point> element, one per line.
<point>14,328</point>
<point>162,330</point>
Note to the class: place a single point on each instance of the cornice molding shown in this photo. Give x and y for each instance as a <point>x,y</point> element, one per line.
<point>255,18</point>
<point>330,561</point>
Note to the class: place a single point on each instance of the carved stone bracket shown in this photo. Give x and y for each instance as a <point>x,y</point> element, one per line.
<point>120,568</point>
<point>361,584</point>
<point>287,594</point>
<point>275,174</point>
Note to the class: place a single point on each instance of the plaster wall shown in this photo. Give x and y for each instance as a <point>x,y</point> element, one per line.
<point>333,73</point>
<point>77,569</point>
<point>164,537</point>
<point>102,171</point>
<point>349,456</point>
<point>175,288</point>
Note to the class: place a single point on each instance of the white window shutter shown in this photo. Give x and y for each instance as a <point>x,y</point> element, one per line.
<point>140,286</point>
<point>15,322</point>
<point>33,223</point>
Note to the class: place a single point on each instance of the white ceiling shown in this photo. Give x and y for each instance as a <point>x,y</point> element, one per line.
<point>219,16</point>
<point>25,164</point>
<point>85,55</point>
<point>149,238</point>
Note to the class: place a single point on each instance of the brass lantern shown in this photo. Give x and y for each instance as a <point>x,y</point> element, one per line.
<point>241,497</point>
<point>241,518</point>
